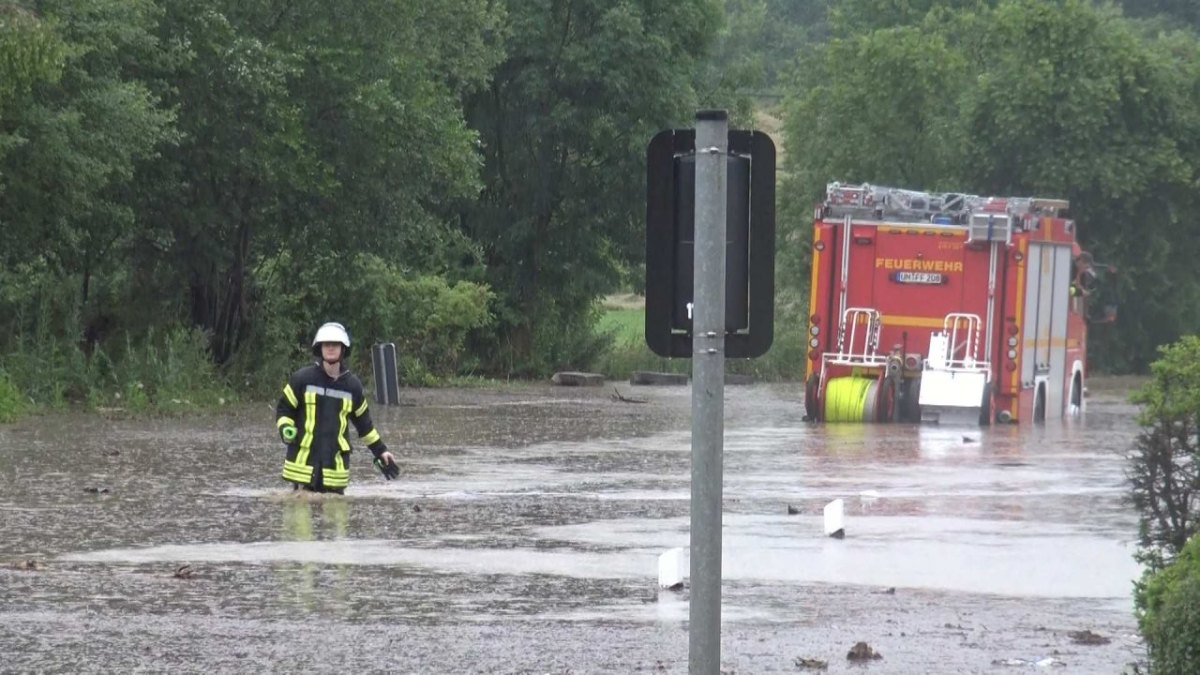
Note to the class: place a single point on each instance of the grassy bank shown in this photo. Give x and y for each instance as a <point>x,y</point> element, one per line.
<point>624,322</point>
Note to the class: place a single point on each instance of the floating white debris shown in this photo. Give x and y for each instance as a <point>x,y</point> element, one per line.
<point>670,568</point>
<point>834,512</point>
<point>866,495</point>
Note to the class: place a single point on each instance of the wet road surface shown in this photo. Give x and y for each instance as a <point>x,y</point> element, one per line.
<point>523,537</point>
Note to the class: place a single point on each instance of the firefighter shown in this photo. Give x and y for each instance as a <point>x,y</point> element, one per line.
<point>312,415</point>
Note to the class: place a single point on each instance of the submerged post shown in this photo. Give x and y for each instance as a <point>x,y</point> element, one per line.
<point>708,393</point>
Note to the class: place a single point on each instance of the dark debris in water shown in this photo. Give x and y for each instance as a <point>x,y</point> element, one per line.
<point>1087,637</point>
<point>96,490</point>
<point>618,396</point>
<point>811,664</point>
<point>27,565</point>
<point>792,510</point>
<point>184,572</point>
<point>862,651</point>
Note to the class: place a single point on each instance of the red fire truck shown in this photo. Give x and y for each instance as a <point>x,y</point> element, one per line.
<point>946,307</point>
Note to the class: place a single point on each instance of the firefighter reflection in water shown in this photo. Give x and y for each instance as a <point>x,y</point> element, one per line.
<point>313,414</point>
<point>312,585</point>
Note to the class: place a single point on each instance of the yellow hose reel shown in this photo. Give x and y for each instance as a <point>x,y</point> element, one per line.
<point>850,399</point>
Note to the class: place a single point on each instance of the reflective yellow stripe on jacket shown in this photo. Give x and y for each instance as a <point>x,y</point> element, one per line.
<point>343,414</point>
<point>339,475</point>
<point>299,471</point>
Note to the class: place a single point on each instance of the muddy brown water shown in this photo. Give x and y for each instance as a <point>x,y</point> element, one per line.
<point>523,536</point>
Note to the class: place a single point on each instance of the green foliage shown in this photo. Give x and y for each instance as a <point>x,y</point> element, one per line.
<point>172,370</point>
<point>563,123</point>
<point>1168,602</point>
<point>314,135</point>
<point>56,354</point>
<point>1169,12</point>
<point>30,53</point>
<point>75,142</point>
<point>12,402</point>
<point>1164,468</point>
<point>736,68</point>
<point>428,317</point>
<point>851,17</point>
<point>1164,475</point>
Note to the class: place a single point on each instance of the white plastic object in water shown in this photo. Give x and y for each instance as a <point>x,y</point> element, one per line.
<point>834,521</point>
<point>670,568</point>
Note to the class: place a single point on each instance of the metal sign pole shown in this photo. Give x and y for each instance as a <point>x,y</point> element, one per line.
<point>708,393</point>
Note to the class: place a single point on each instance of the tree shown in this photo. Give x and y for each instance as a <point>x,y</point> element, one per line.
<point>564,123</point>
<point>1072,101</point>
<point>1164,481</point>
<point>1164,467</point>
<point>1173,11</point>
<point>78,134</point>
<point>855,17</point>
<point>312,130</point>
<point>868,108</point>
<point>30,52</point>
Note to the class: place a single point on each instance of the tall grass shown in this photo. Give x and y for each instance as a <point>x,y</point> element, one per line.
<point>12,402</point>
<point>49,367</point>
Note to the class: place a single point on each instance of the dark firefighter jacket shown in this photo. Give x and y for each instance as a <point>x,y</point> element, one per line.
<point>321,407</point>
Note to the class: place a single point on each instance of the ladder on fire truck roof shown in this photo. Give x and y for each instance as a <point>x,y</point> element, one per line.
<point>939,208</point>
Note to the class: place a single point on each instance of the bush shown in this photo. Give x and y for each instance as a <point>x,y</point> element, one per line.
<point>1175,645</point>
<point>12,403</point>
<point>428,317</point>
<point>1164,467</point>
<point>1168,603</point>
<point>167,370</point>
<point>1164,476</point>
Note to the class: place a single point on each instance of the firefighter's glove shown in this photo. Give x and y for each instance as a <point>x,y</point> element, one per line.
<point>287,432</point>
<point>387,467</point>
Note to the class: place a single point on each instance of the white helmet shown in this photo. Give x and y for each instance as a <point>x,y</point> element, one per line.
<point>331,332</point>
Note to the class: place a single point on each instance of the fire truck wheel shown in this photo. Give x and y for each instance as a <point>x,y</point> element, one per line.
<point>812,408</point>
<point>910,401</point>
<point>985,406</point>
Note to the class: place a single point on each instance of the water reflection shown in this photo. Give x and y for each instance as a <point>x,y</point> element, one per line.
<point>311,518</point>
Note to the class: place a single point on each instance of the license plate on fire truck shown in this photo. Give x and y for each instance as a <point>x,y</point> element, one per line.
<point>932,278</point>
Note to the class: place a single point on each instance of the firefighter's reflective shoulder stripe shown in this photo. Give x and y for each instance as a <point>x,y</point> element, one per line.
<point>290,395</point>
<point>362,409</point>
<point>317,390</point>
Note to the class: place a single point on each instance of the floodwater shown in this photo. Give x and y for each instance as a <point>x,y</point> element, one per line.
<point>524,532</point>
